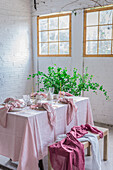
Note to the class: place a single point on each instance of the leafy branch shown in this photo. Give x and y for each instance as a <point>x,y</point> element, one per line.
<point>62,81</point>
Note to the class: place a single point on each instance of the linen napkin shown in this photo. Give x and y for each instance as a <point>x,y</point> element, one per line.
<point>13,103</point>
<point>50,112</point>
<point>71,109</point>
<point>65,93</point>
<point>40,93</point>
<point>3,116</point>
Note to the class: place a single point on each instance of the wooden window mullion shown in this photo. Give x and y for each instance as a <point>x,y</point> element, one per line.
<point>110,39</point>
<point>98,33</point>
<point>58,36</point>
<point>48,35</point>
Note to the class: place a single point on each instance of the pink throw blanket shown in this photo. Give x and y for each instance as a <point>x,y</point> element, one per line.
<point>71,109</point>
<point>68,153</point>
<point>50,112</point>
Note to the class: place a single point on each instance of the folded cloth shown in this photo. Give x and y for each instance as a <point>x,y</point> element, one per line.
<point>40,93</point>
<point>11,103</point>
<point>68,153</point>
<point>71,109</point>
<point>50,112</point>
<point>79,131</point>
<point>33,94</point>
<point>96,161</point>
<point>3,116</point>
<point>65,93</point>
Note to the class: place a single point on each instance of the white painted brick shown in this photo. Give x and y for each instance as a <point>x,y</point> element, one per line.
<point>15,48</point>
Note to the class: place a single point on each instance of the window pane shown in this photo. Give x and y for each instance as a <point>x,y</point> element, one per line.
<point>43,48</point>
<point>64,22</point>
<point>43,36</point>
<point>43,24</point>
<point>53,23</point>
<point>53,35</point>
<point>105,32</point>
<point>64,48</point>
<point>91,47</point>
<point>63,35</point>
<point>105,47</point>
<point>106,17</point>
<point>53,48</point>
<point>91,33</point>
<point>92,18</point>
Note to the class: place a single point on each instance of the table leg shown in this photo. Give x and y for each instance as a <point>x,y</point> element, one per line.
<point>105,152</point>
<point>41,165</point>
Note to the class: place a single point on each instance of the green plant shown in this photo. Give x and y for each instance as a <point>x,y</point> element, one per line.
<point>62,81</point>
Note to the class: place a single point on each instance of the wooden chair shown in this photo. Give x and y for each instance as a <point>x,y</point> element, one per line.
<point>87,146</point>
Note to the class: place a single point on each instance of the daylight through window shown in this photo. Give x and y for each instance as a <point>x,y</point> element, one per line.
<point>54,35</point>
<point>98,32</point>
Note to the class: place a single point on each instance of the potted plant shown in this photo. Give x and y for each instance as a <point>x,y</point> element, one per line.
<point>62,81</point>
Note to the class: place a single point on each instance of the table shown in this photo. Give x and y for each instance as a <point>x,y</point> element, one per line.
<point>28,133</point>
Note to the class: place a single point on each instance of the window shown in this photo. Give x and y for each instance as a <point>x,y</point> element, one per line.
<point>98,32</point>
<point>54,35</point>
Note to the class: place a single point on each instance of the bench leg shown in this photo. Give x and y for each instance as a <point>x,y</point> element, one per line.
<point>105,153</point>
<point>89,150</point>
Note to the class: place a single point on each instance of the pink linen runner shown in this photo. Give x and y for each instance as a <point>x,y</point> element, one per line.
<point>68,153</point>
<point>50,112</point>
<point>71,109</point>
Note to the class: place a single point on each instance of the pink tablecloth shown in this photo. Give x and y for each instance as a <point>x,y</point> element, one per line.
<point>28,132</point>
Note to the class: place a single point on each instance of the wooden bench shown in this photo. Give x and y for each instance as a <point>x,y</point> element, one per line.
<point>88,145</point>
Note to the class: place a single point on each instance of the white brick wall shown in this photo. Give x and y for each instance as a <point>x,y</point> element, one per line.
<point>15,47</point>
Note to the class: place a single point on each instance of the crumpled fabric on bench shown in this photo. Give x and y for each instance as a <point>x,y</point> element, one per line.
<point>80,131</point>
<point>68,154</point>
<point>96,161</point>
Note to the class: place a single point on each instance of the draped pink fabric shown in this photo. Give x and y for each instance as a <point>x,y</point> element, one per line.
<point>50,112</point>
<point>80,131</point>
<point>71,109</point>
<point>68,153</point>
<point>10,104</point>
<point>3,116</point>
<point>40,93</point>
<point>65,93</point>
